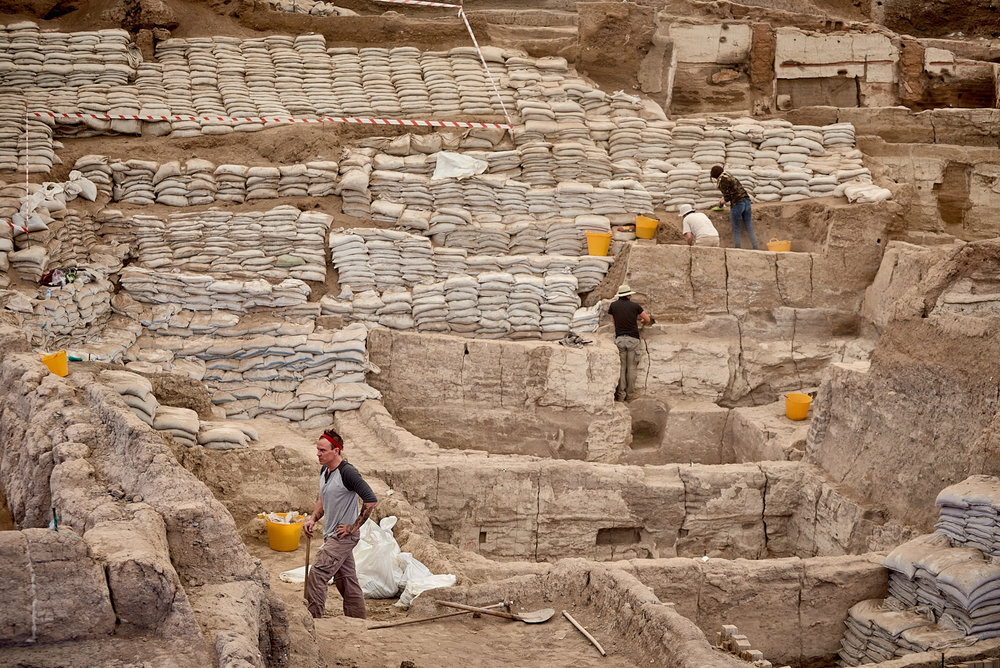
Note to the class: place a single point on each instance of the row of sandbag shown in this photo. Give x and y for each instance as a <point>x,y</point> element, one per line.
<point>879,631</point>
<point>182,424</point>
<point>491,305</point>
<point>32,58</point>
<point>496,195</point>
<point>201,292</point>
<point>281,243</point>
<point>24,140</point>
<point>369,258</point>
<point>295,371</point>
<point>197,182</point>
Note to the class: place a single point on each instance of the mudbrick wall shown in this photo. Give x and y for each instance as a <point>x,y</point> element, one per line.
<point>135,529</point>
<point>881,426</point>
<point>793,610</point>
<point>543,510</point>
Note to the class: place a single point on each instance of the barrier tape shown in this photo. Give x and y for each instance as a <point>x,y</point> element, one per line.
<point>419,2</point>
<point>16,227</point>
<point>325,119</point>
<point>482,59</point>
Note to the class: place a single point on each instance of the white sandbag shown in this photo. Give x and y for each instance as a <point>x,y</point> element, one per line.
<point>457,166</point>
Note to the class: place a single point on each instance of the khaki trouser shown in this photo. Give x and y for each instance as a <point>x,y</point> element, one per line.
<point>628,354</point>
<point>707,241</point>
<point>335,560</point>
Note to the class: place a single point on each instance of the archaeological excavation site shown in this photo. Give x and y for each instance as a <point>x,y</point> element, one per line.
<point>655,333</point>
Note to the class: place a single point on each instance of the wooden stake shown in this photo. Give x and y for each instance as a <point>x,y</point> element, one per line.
<point>584,632</point>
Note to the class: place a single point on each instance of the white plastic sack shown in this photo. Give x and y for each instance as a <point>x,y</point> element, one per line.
<point>457,166</point>
<point>418,579</point>
<point>375,555</point>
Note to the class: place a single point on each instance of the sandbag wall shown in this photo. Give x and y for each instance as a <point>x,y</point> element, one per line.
<point>400,281</point>
<point>943,587</point>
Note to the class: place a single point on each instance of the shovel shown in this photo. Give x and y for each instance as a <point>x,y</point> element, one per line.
<point>536,617</point>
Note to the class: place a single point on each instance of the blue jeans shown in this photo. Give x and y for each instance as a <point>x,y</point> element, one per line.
<point>739,213</point>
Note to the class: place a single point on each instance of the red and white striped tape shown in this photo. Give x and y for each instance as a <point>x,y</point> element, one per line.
<point>16,227</point>
<point>419,2</point>
<point>325,119</point>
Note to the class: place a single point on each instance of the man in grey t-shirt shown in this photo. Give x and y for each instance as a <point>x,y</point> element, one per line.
<point>340,487</point>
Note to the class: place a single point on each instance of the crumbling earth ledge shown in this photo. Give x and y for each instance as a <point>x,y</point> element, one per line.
<point>165,555</point>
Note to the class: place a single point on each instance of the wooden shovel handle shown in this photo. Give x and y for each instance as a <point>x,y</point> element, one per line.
<point>305,583</point>
<point>417,621</point>
<point>485,611</point>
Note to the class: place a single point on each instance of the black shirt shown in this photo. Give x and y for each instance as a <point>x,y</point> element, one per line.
<point>625,313</point>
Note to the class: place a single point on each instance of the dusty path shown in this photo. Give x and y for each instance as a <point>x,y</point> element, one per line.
<point>464,640</point>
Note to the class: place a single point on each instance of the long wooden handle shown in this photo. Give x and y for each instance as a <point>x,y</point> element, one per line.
<point>485,611</point>
<point>584,632</point>
<point>417,621</point>
<point>305,582</point>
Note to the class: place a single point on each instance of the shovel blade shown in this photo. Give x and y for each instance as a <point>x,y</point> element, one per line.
<point>536,616</point>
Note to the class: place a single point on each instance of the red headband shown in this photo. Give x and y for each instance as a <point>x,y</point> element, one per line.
<point>336,444</point>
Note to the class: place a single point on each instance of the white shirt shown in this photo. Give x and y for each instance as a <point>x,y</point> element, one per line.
<point>699,225</point>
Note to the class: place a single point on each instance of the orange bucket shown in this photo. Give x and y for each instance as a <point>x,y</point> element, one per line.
<point>598,243</point>
<point>797,405</point>
<point>57,362</point>
<point>284,537</point>
<point>779,245</point>
<point>645,227</point>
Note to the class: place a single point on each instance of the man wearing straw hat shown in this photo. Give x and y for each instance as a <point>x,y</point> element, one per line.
<point>625,313</point>
<point>340,487</point>
<point>697,227</point>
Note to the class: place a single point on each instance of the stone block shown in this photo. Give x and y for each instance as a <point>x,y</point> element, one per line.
<point>831,585</point>
<point>694,432</point>
<point>763,433</point>
<point>751,281</point>
<point>723,509</point>
<point>737,592</point>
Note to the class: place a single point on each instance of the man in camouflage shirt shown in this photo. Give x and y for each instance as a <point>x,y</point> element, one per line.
<point>739,204</point>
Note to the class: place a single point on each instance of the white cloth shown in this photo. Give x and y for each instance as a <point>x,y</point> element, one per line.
<point>699,225</point>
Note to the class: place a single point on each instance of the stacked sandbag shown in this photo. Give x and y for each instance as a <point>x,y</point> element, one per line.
<point>277,244</point>
<point>62,60</point>
<point>430,309</point>
<point>355,173</point>
<point>494,299</point>
<point>524,312</point>
<point>30,263</point>
<point>200,292</point>
<point>877,633</point>
<point>181,423</point>
<point>225,435</point>
<point>461,295</point>
<point>72,308</point>
<point>133,182</point>
<point>970,513</point>
<point>135,390</point>
<point>586,318</point>
<point>561,302</point>
<point>397,309</point>
<point>97,169</point>
<point>349,256</point>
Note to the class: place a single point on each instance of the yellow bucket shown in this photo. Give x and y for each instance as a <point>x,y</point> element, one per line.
<point>57,362</point>
<point>284,537</point>
<point>797,405</point>
<point>645,227</point>
<point>598,243</point>
<point>779,246</point>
